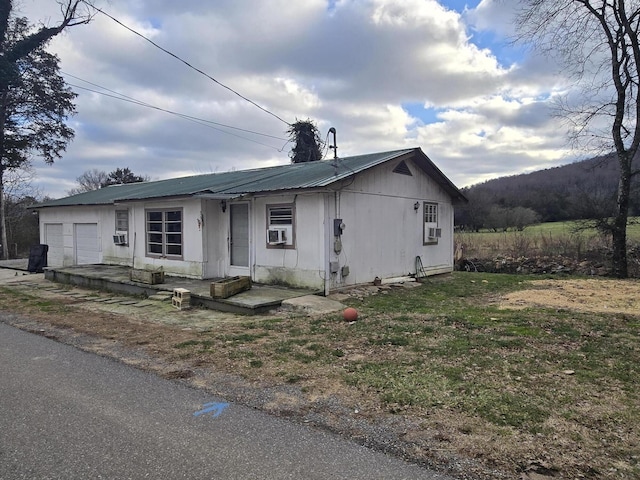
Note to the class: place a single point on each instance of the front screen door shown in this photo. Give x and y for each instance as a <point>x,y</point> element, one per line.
<point>239,241</point>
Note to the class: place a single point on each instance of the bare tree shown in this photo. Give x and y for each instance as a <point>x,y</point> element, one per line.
<point>597,43</point>
<point>21,224</point>
<point>95,179</point>
<point>90,180</point>
<point>19,183</point>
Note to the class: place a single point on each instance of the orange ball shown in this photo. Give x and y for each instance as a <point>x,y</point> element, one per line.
<point>350,314</point>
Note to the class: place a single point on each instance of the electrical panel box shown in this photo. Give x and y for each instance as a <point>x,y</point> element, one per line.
<point>345,271</point>
<point>338,227</point>
<point>334,267</point>
<point>337,246</point>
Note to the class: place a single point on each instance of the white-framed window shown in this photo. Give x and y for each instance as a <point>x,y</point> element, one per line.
<point>431,231</point>
<point>280,225</point>
<point>164,233</point>
<point>122,220</point>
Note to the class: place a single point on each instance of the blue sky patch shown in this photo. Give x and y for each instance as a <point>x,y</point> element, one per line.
<point>417,110</point>
<point>459,5</point>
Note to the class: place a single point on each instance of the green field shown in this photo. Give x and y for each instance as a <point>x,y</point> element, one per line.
<point>552,238</point>
<point>568,228</point>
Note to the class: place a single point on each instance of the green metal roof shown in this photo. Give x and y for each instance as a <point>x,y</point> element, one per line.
<point>244,182</point>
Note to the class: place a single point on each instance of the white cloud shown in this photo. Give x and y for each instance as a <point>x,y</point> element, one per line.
<point>351,66</point>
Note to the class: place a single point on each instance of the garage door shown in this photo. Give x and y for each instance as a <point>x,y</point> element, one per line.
<point>87,248</point>
<point>53,238</point>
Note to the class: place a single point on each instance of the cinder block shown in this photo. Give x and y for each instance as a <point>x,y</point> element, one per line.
<point>181,293</point>
<point>181,303</point>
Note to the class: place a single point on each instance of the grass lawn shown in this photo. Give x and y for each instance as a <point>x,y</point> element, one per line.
<point>511,389</point>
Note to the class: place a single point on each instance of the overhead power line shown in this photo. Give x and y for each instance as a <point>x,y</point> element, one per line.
<point>189,65</point>
<point>146,104</point>
<point>201,121</point>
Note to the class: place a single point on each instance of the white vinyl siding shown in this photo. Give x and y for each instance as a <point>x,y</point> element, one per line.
<point>53,237</point>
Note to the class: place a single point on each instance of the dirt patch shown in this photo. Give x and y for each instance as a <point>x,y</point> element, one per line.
<point>584,295</point>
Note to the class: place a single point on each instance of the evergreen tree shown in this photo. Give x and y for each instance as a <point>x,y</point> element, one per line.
<point>123,175</point>
<point>34,100</point>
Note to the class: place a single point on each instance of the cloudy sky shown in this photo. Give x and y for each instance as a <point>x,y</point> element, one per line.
<point>387,74</point>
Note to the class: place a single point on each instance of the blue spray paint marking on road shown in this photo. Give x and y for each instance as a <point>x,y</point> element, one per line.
<point>215,408</point>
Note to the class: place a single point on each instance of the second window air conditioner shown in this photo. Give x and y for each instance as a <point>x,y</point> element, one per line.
<point>277,236</point>
<point>435,232</point>
<point>120,238</point>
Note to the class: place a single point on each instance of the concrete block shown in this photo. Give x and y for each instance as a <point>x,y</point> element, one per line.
<point>181,303</point>
<point>181,293</point>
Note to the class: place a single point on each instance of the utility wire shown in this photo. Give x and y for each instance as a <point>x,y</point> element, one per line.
<point>122,96</point>
<point>326,146</point>
<point>204,123</point>
<point>190,66</point>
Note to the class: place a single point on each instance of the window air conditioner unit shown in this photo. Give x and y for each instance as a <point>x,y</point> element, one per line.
<point>435,232</point>
<point>276,236</point>
<point>120,238</point>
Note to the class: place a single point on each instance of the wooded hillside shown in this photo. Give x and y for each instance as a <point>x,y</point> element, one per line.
<point>581,190</point>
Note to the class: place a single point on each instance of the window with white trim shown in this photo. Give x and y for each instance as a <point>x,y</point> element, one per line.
<point>431,230</point>
<point>280,225</point>
<point>122,220</point>
<point>164,233</point>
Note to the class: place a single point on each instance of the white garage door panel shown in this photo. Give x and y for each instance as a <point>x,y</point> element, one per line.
<point>53,237</point>
<point>87,248</point>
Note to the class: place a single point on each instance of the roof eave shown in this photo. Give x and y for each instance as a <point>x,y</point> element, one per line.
<point>430,168</point>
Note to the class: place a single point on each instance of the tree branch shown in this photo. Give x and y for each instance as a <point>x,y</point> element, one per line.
<point>71,17</point>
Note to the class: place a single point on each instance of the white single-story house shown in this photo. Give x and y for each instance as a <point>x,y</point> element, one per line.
<point>322,225</point>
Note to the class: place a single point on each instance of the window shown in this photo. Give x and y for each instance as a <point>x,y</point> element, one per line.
<point>164,233</point>
<point>122,220</point>
<point>280,226</point>
<point>431,230</point>
<point>431,213</point>
<point>280,215</point>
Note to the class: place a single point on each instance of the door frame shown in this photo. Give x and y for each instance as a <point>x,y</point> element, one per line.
<point>239,270</point>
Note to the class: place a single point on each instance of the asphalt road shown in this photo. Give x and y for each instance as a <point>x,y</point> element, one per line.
<point>67,414</point>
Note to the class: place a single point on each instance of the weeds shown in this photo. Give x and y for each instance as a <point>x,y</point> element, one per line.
<point>568,239</point>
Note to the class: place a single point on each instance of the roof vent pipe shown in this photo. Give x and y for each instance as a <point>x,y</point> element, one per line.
<point>334,147</point>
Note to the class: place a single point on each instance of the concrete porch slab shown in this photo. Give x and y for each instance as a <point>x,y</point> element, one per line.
<point>259,299</point>
<point>313,304</point>
<point>15,264</point>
